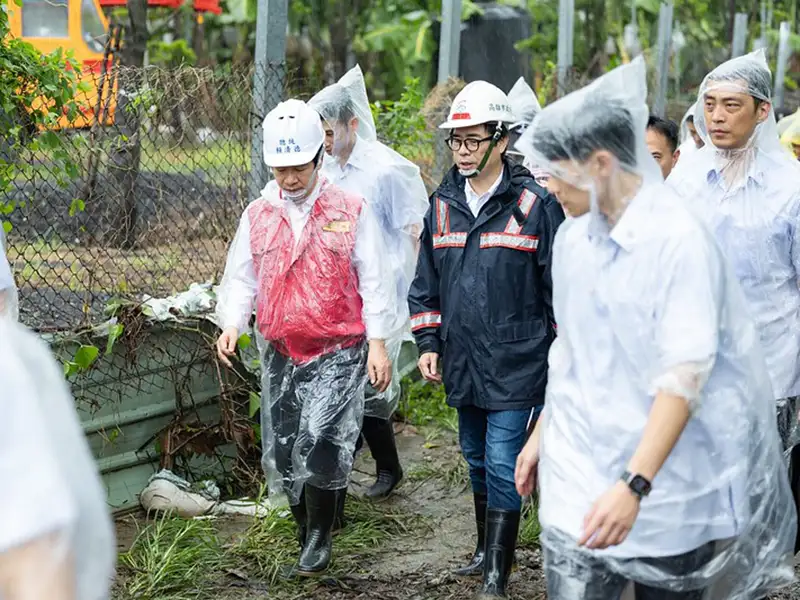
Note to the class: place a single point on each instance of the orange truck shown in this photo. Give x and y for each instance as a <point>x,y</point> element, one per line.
<point>78,26</point>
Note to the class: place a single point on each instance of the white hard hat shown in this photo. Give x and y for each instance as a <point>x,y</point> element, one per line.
<point>478,103</point>
<point>293,134</point>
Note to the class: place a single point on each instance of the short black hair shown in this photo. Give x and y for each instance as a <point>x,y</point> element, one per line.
<point>667,128</point>
<point>690,118</point>
<point>334,105</point>
<point>600,123</point>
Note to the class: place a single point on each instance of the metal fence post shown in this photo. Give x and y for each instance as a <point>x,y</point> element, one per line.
<point>449,40</point>
<point>662,68</point>
<point>784,51</point>
<point>268,80</point>
<point>761,41</point>
<point>566,21</point>
<point>739,35</point>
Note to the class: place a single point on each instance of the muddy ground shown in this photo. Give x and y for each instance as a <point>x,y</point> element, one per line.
<point>414,566</point>
<point>437,504</point>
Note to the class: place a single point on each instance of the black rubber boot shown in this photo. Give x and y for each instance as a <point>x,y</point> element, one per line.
<point>321,508</point>
<point>379,435</point>
<point>502,527</point>
<point>794,480</point>
<point>301,518</point>
<point>475,566</point>
<point>339,521</point>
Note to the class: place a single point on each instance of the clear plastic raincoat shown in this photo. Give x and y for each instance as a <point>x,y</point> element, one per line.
<point>746,188</point>
<point>314,272</point>
<point>56,535</point>
<point>525,107</point>
<point>687,145</point>
<point>9,299</point>
<point>646,305</point>
<point>394,189</point>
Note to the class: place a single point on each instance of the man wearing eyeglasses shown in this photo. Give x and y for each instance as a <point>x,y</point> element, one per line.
<point>481,312</point>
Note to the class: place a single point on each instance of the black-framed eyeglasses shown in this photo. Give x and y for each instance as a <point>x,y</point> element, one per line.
<point>471,143</point>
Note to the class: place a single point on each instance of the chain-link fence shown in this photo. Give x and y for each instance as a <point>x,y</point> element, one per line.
<point>140,196</point>
<point>154,191</point>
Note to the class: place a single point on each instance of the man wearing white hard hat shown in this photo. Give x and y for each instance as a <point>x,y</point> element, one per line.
<point>356,161</point>
<point>481,311</point>
<point>308,255</point>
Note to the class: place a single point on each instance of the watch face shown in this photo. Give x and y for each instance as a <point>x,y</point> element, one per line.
<point>640,485</point>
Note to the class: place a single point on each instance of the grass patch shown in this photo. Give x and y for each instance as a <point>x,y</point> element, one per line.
<point>530,529</point>
<point>173,558</point>
<point>454,474</point>
<point>424,405</point>
<point>270,545</point>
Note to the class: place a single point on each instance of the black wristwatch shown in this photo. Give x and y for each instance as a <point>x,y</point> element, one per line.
<point>638,484</point>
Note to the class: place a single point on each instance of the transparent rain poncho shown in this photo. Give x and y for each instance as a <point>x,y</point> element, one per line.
<point>9,299</point>
<point>318,293</point>
<point>56,535</point>
<point>525,107</point>
<point>746,187</point>
<point>393,187</point>
<point>645,305</point>
<point>790,137</point>
<point>311,416</point>
<point>687,145</point>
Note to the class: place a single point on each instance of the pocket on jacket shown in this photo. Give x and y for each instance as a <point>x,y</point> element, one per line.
<point>517,332</point>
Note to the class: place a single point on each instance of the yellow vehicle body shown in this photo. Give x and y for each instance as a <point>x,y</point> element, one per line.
<point>78,26</point>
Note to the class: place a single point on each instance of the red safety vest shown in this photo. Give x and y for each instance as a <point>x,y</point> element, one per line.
<point>308,300</point>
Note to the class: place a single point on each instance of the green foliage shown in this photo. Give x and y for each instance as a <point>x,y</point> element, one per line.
<point>172,557</point>
<point>35,92</point>
<point>424,404</point>
<point>83,360</point>
<point>402,124</point>
<point>171,55</point>
<point>270,544</point>
<point>530,529</point>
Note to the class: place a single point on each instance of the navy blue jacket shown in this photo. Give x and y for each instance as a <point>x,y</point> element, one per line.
<point>482,294</point>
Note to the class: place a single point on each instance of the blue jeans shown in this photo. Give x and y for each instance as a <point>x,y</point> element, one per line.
<point>490,442</point>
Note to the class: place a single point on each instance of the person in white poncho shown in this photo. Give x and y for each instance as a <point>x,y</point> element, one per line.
<point>657,456</point>
<point>746,187</point>
<point>9,300</point>
<point>356,161</point>
<point>56,534</point>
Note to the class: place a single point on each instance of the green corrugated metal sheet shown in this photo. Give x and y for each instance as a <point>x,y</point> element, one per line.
<point>125,403</point>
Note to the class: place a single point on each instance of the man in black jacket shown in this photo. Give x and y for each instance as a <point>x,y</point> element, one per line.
<point>481,302</point>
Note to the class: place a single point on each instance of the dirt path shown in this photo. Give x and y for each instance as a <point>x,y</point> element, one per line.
<point>433,532</point>
<point>435,501</point>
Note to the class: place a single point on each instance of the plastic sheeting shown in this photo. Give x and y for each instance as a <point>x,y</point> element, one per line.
<point>393,187</point>
<point>56,535</point>
<point>9,297</point>
<point>790,136</point>
<point>645,304</point>
<point>746,188</point>
<point>348,94</point>
<point>311,416</point>
<point>525,106</point>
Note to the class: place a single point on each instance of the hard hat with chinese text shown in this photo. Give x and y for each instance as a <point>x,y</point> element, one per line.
<point>478,103</point>
<point>293,135</point>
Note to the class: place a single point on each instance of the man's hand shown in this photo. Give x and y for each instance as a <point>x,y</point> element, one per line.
<point>226,344</point>
<point>527,467</point>
<point>611,518</point>
<point>428,366</point>
<point>379,367</point>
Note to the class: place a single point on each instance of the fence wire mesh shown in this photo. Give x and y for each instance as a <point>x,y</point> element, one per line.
<point>140,197</point>
<point>155,197</point>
